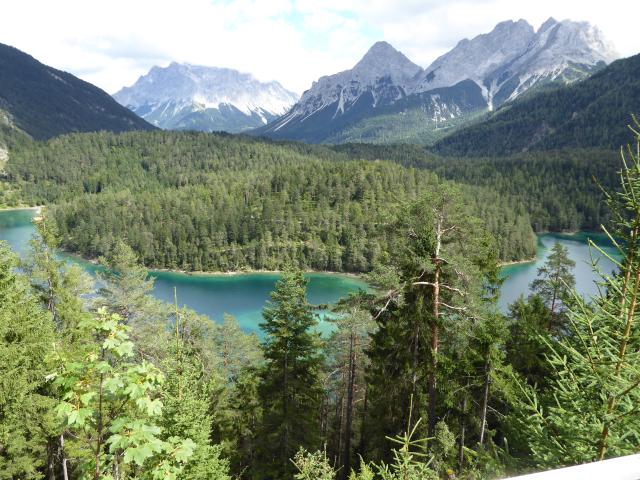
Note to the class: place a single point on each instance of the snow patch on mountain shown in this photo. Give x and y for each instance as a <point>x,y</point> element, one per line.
<point>165,96</point>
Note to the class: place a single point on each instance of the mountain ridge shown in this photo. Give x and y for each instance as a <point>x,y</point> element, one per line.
<point>504,64</point>
<point>593,112</point>
<point>45,102</point>
<point>183,96</point>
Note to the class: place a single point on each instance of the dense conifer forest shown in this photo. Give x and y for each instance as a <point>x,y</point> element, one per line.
<point>421,378</point>
<point>218,202</point>
<point>559,189</point>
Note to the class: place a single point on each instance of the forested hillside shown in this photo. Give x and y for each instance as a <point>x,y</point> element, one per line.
<point>217,202</point>
<point>45,102</point>
<point>558,188</point>
<point>591,113</point>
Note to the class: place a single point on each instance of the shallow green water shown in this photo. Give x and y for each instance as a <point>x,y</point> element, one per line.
<point>244,295</point>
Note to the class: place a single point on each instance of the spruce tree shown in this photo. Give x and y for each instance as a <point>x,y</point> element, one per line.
<point>554,283</point>
<point>290,391</point>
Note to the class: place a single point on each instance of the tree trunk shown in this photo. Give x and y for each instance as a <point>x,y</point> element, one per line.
<point>553,303</point>
<point>285,408</point>
<point>361,444</point>
<point>462,435</point>
<point>435,341</point>
<point>52,454</point>
<point>346,465</point>
<point>485,401</point>
<point>415,362</point>
<point>65,474</point>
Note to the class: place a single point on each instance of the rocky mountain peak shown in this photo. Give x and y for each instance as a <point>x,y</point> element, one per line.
<point>183,95</point>
<point>550,22</point>
<point>382,60</point>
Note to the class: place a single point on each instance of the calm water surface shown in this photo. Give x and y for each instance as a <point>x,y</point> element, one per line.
<point>519,276</point>
<point>244,295</point>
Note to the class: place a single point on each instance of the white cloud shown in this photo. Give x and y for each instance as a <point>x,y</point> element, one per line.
<point>294,41</point>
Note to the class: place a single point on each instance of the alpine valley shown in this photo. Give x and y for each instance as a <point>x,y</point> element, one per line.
<point>395,276</point>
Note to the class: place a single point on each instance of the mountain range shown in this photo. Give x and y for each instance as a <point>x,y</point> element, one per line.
<point>387,98</point>
<point>192,97</point>
<point>513,89</point>
<point>45,102</point>
<point>591,113</point>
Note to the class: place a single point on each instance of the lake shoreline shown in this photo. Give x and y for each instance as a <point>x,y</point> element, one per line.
<point>517,262</point>
<point>199,273</point>
<point>38,208</point>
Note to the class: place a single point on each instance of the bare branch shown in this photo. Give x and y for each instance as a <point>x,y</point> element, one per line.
<point>457,309</point>
<point>442,285</point>
<point>391,294</point>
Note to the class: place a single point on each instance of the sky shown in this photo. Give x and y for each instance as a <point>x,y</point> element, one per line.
<point>111,43</point>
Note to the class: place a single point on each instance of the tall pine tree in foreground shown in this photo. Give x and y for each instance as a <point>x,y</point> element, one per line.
<point>290,391</point>
<point>435,291</point>
<point>591,410</point>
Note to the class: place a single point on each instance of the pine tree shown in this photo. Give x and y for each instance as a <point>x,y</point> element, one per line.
<point>290,391</point>
<point>60,287</point>
<point>435,287</point>
<point>554,283</point>
<point>126,286</point>
<point>347,361</point>
<point>186,396</point>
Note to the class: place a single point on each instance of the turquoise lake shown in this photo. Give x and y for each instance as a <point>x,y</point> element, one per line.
<point>244,295</point>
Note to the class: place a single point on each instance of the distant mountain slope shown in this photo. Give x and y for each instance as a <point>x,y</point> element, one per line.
<point>387,98</point>
<point>45,102</point>
<point>192,97</point>
<point>514,58</point>
<point>346,106</point>
<point>591,113</point>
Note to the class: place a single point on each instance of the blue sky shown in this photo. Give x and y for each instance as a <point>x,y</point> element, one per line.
<point>111,43</point>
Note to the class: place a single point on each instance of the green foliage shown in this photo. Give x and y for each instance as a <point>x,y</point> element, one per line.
<point>186,396</point>
<point>526,345</point>
<point>589,411</point>
<point>215,202</point>
<point>421,329</point>
<point>346,361</point>
<point>555,189</point>
<point>45,102</point>
<point>408,126</point>
<point>60,286</point>
<point>555,284</point>
<point>26,339</point>
<point>290,390</point>
<point>110,407</point>
<point>410,462</point>
<point>590,113</point>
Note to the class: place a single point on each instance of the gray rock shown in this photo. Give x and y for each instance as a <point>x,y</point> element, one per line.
<point>183,96</point>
